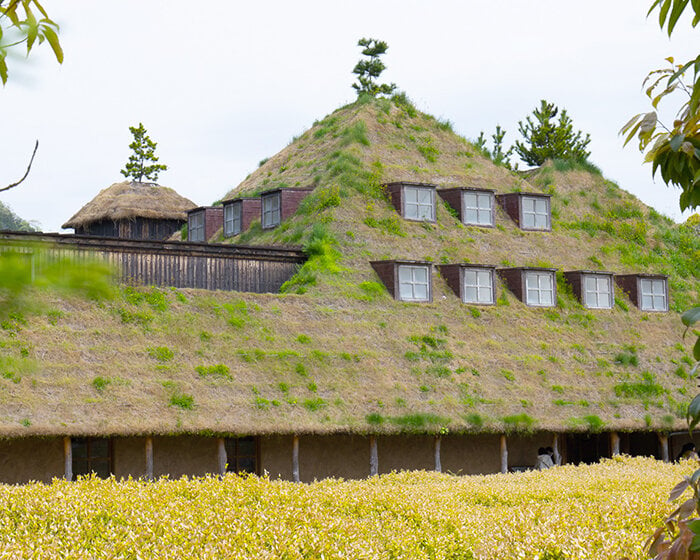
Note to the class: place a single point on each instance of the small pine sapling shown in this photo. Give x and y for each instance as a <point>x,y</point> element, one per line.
<point>369,70</point>
<point>142,162</point>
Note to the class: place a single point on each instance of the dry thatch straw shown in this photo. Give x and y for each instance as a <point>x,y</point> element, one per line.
<point>129,200</point>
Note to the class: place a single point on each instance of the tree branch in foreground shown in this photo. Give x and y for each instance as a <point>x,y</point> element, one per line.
<point>13,185</point>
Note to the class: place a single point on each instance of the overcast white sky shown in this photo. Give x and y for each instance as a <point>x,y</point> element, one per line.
<point>221,85</point>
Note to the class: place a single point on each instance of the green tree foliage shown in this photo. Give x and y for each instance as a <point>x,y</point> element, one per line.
<point>25,22</point>
<point>674,150</point>
<point>498,154</point>
<point>11,221</point>
<point>544,138</point>
<point>142,163</point>
<point>369,70</point>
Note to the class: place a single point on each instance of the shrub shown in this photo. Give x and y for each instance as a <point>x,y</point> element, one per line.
<point>100,383</point>
<point>160,353</point>
<point>216,370</point>
<point>182,400</point>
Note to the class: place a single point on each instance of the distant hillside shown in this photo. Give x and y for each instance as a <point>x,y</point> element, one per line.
<point>11,221</point>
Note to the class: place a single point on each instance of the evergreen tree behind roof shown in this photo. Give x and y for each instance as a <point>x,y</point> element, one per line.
<point>142,162</point>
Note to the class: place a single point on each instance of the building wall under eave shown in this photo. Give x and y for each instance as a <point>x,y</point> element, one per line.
<point>26,459</point>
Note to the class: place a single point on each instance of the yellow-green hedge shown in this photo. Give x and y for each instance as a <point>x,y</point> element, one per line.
<point>602,511</point>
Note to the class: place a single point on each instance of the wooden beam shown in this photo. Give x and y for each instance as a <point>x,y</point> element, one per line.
<point>663,442</point>
<point>295,458</point>
<point>222,458</point>
<point>438,461</point>
<point>614,443</point>
<point>373,456</point>
<point>555,447</point>
<point>149,457</point>
<point>67,458</point>
<point>504,454</point>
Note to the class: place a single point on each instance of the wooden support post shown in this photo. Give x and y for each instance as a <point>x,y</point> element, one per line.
<point>438,461</point>
<point>504,454</point>
<point>149,457</point>
<point>614,443</point>
<point>222,458</point>
<point>555,447</point>
<point>373,456</point>
<point>67,459</point>
<point>295,458</point>
<point>663,442</point>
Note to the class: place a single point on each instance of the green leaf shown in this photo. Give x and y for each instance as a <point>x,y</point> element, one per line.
<point>691,316</point>
<point>694,412</point>
<point>678,7</point>
<point>3,68</point>
<point>696,350</point>
<point>676,141</point>
<point>52,38</point>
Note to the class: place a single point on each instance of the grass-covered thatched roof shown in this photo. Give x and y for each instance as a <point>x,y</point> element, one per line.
<point>335,353</point>
<point>128,200</point>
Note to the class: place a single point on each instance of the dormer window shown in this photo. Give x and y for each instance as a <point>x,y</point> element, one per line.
<point>598,291</point>
<point>535,287</point>
<point>414,201</point>
<point>271,210</point>
<point>531,211</point>
<point>539,288</point>
<point>414,282</point>
<point>195,226</point>
<point>593,288</point>
<point>233,214</point>
<point>649,292</point>
<point>472,283</point>
<point>477,286</point>
<point>406,280</point>
<point>203,223</point>
<point>653,294</point>
<point>535,212</point>
<point>477,208</point>
<point>474,207</point>
<point>419,203</point>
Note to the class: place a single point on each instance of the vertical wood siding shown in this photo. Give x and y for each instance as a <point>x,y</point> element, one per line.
<point>180,265</point>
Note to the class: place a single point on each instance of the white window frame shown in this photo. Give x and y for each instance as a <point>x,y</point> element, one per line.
<point>480,281</point>
<point>196,227</point>
<point>233,218</point>
<point>538,289</point>
<point>653,294</point>
<point>424,211</point>
<point>599,296</point>
<point>271,210</point>
<point>484,216</point>
<point>408,287</point>
<point>545,217</point>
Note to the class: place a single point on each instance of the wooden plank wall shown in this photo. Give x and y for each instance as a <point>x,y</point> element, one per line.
<point>180,265</point>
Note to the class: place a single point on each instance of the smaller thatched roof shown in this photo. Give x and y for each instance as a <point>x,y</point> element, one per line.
<point>128,200</point>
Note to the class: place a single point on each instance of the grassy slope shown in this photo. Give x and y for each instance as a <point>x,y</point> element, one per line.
<point>344,355</point>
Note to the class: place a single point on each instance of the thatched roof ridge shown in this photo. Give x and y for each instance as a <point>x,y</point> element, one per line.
<point>128,200</point>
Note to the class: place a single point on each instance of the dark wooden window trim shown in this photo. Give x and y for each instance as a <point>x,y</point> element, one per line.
<point>233,456</point>
<point>491,270</point>
<point>492,199</point>
<point>535,197</point>
<point>274,195</point>
<point>428,188</point>
<point>640,295</point>
<point>201,227</point>
<point>236,207</point>
<point>584,291</point>
<point>89,458</point>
